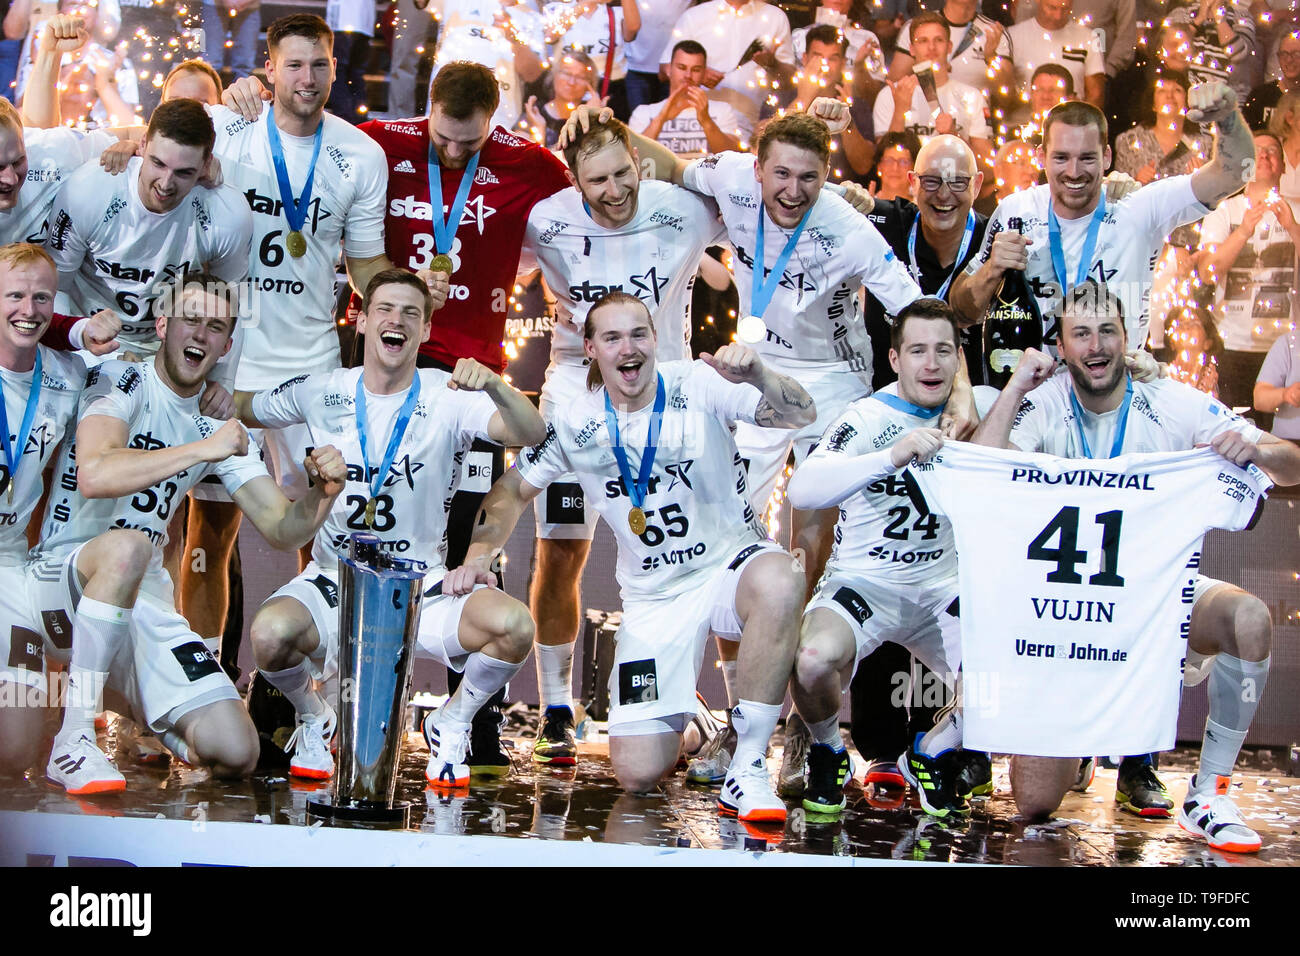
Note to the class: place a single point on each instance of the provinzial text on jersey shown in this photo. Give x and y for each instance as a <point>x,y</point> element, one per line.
<point>1085,479</point>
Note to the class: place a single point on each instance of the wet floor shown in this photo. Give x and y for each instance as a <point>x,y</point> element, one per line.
<point>585,803</point>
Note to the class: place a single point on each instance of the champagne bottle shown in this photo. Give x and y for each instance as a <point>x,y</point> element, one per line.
<point>1014,323</point>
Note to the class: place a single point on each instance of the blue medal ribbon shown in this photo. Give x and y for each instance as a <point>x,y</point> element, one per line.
<point>762,289</point>
<point>1117,446</point>
<point>444,231</point>
<point>394,439</point>
<point>636,490</point>
<point>12,460</point>
<point>915,269</point>
<point>1089,245</point>
<point>906,407</point>
<point>295,210</point>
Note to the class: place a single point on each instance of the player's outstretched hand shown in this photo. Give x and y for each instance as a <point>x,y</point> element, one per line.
<point>217,402</point>
<point>63,34</point>
<point>230,439</point>
<point>1034,369</point>
<point>245,96</point>
<point>581,119</point>
<point>114,158</point>
<point>1211,102</point>
<point>465,578</point>
<point>1235,447</point>
<point>919,444</point>
<point>734,362</point>
<point>858,197</point>
<point>99,335</point>
<point>470,375</point>
<point>325,467</point>
<point>439,284</point>
<point>1142,365</point>
<point>831,112</point>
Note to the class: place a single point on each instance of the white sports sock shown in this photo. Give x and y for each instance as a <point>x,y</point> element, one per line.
<point>298,688</point>
<point>1234,690</point>
<point>484,676</point>
<point>555,674</point>
<point>98,631</point>
<point>755,723</point>
<point>729,672</point>
<point>176,744</point>
<point>944,735</point>
<point>827,732</point>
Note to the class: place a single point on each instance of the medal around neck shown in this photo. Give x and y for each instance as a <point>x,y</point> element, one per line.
<point>751,329</point>
<point>296,243</point>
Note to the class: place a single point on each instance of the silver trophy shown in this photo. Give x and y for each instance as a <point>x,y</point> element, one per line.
<point>379,615</point>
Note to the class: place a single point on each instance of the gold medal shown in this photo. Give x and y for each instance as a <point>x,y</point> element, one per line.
<point>442,263</point>
<point>371,506</point>
<point>296,244</point>
<point>636,521</point>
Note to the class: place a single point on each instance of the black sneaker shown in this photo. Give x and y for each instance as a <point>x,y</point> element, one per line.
<point>486,758</point>
<point>974,774</point>
<point>555,744</point>
<point>933,779</point>
<point>828,771</point>
<point>1138,790</point>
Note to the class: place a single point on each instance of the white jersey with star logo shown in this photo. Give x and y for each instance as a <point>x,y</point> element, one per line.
<point>654,257</point>
<point>413,502</point>
<point>62,375</point>
<point>288,319</point>
<point>1166,415</point>
<point>880,535</point>
<point>52,156</point>
<point>697,516</point>
<point>814,321</point>
<point>156,417</point>
<point>1077,582</point>
<point>1128,245</point>
<point>113,253</point>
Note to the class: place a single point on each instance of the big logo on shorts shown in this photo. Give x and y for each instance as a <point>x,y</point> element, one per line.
<point>636,682</point>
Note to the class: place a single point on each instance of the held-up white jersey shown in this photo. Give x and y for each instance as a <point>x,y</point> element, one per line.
<point>697,517</point>
<point>655,257</point>
<point>814,320</point>
<point>156,417</point>
<point>412,506</point>
<point>52,156</point>
<point>1128,244</point>
<point>120,255</point>
<point>62,375</point>
<point>1077,583</point>
<point>1165,416</point>
<point>880,534</point>
<point>288,320</point>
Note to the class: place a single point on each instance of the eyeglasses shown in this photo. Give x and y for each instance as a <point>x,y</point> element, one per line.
<point>1288,54</point>
<point>931,184</point>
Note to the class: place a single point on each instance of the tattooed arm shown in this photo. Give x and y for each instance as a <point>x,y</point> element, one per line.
<point>784,404</point>
<point>1233,164</point>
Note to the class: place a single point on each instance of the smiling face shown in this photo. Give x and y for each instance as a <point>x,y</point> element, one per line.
<point>168,171</point>
<point>13,165</point>
<point>301,71</point>
<point>608,179</point>
<point>1170,101</point>
<point>395,324</point>
<point>791,179</point>
<point>194,339</point>
<point>1075,159</point>
<point>1092,346</point>
<point>1046,91</point>
<point>945,183</point>
<point>571,79</point>
<point>26,308</point>
<point>926,361</point>
<point>1268,161</point>
<point>622,344</point>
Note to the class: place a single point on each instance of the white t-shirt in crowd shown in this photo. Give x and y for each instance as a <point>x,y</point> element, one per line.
<point>1074,46</point>
<point>683,133</point>
<point>965,104</point>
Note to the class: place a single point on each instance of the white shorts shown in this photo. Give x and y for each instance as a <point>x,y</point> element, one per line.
<point>659,647</point>
<point>923,619</point>
<point>283,450</point>
<point>165,670</point>
<point>22,649</point>
<point>1196,667</point>
<point>766,449</point>
<point>560,510</point>
<point>318,591</point>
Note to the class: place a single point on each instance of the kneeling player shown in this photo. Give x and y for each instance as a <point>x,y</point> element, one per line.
<point>652,446</point>
<point>405,432</point>
<point>1094,409</point>
<point>141,444</point>
<point>892,574</point>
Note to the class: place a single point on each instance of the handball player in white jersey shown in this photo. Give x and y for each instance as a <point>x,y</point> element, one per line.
<point>119,240</point>
<point>404,458</point>
<point>1094,409</point>
<point>611,231</point>
<point>651,444</point>
<point>892,572</point>
<point>28,281</point>
<point>97,577</point>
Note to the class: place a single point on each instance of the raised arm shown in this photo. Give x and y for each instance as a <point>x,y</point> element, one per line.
<point>1233,163</point>
<point>106,468</point>
<point>995,430</point>
<point>61,34</point>
<point>785,403</point>
<point>286,524</point>
<point>516,422</point>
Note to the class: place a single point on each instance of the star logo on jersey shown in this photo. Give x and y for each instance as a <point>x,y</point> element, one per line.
<point>680,472</point>
<point>476,211</point>
<point>648,284</point>
<point>38,440</point>
<point>1101,273</point>
<point>403,470</point>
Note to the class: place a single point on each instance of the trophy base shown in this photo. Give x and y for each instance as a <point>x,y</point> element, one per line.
<point>397,814</point>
